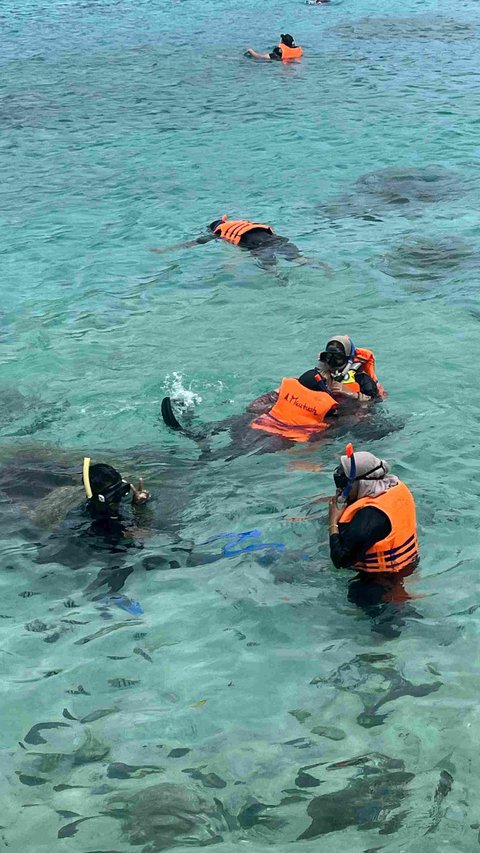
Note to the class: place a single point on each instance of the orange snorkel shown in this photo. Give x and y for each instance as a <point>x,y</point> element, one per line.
<point>353,471</point>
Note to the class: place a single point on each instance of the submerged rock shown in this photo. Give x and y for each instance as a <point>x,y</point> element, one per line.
<point>167,815</point>
<point>369,801</point>
<point>376,681</point>
<point>402,185</point>
<point>329,732</point>
<point>411,28</point>
<point>429,258</point>
<point>404,189</point>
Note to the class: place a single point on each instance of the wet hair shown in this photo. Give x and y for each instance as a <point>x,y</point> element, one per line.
<point>214,224</point>
<point>101,477</point>
<point>287,39</point>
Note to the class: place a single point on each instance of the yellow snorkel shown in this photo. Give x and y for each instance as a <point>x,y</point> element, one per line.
<point>86,477</point>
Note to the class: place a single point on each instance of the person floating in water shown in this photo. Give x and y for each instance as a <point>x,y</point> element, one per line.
<point>298,411</point>
<point>352,369</point>
<point>286,51</point>
<point>260,240</point>
<point>375,530</point>
<point>105,489</point>
<point>301,410</point>
<point>348,371</point>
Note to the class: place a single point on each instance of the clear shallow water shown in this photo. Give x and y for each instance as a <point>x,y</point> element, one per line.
<point>130,125</point>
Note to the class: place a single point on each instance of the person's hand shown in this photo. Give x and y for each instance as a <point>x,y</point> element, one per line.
<point>140,495</point>
<point>248,52</point>
<point>340,388</point>
<point>334,514</point>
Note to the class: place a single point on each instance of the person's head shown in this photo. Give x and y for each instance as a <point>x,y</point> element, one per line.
<point>104,487</point>
<point>361,475</point>
<point>214,225</point>
<point>337,353</point>
<point>287,40</point>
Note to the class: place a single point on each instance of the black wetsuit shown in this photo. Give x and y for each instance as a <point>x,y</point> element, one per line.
<point>349,546</point>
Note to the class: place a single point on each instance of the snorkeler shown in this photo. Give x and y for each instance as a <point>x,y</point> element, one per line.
<point>375,529</point>
<point>286,51</point>
<point>352,369</point>
<point>105,489</point>
<point>260,240</point>
<point>293,413</point>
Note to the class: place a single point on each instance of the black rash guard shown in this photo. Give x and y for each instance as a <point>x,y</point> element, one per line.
<point>354,539</point>
<point>367,385</point>
<point>312,380</point>
<point>262,243</point>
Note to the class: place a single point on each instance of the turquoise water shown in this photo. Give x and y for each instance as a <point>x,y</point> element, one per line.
<point>126,125</point>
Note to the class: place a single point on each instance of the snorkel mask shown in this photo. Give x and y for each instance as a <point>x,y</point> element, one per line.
<point>345,481</point>
<point>338,361</point>
<point>112,494</point>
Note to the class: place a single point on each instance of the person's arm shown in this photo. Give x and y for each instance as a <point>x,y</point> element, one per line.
<point>316,379</point>
<point>368,386</point>
<point>367,527</point>
<point>256,55</point>
<point>140,495</point>
<point>340,389</point>
<point>187,244</point>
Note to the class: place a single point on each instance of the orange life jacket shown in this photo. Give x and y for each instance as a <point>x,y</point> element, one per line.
<point>400,548</point>
<point>298,413</point>
<point>364,362</point>
<point>290,53</point>
<point>233,230</point>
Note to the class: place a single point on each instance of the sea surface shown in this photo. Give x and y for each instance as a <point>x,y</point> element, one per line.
<point>193,689</point>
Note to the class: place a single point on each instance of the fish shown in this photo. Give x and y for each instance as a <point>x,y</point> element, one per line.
<point>199,704</point>
<point>31,781</point>
<point>37,626</point>
<point>138,651</point>
<point>445,785</point>
<point>305,780</point>
<point>103,631</point>
<point>68,787</point>
<point>330,732</point>
<point>178,752</point>
<point>70,603</point>
<point>68,716</point>
<point>122,682</point>
<point>80,691</point>
<point>119,770</point>
<point>71,828</point>
<point>97,715</point>
<point>33,736</point>
<point>300,715</point>
<point>27,593</point>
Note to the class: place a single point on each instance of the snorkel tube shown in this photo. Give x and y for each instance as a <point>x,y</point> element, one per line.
<point>86,477</point>
<point>353,471</point>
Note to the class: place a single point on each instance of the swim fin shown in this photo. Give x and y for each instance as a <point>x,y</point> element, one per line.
<point>168,417</point>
